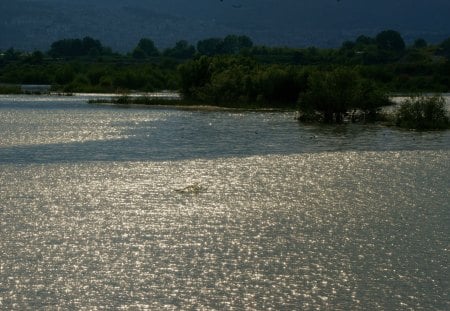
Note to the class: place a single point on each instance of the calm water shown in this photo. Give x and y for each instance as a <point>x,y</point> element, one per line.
<point>153,208</point>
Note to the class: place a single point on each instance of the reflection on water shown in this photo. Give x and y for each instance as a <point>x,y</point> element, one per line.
<point>72,131</point>
<point>163,209</point>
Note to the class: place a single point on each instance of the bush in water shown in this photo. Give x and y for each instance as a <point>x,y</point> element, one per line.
<point>423,113</point>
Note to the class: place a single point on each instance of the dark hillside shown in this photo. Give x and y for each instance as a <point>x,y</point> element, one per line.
<point>34,24</point>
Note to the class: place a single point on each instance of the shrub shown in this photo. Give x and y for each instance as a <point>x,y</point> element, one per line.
<point>332,94</point>
<point>423,113</point>
<point>329,93</point>
<point>10,89</point>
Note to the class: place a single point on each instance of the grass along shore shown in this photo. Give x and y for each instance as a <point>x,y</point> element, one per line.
<point>172,100</point>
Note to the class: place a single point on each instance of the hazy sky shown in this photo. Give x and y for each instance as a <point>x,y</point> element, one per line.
<point>120,23</point>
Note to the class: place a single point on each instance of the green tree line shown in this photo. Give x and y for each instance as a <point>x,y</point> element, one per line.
<point>231,69</point>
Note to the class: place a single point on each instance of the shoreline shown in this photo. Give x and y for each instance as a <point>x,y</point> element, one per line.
<point>387,115</point>
<point>175,100</point>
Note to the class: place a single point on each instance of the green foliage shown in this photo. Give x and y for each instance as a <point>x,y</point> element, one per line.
<point>211,46</point>
<point>388,46</point>
<point>10,89</point>
<point>330,93</point>
<point>365,40</point>
<point>420,43</point>
<point>444,48</point>
<point>370,98</point>
<point>417,56</point>
<point>181,50</point>
<point>390,40</point>
<point>238,72</point>
<point>280,85</point>
<point>36,58</point>
<point>70,48</point>
<point>423,113</point>
<point>231,44</point>
<point>145,48</point>
<point>194,75</point>
<point>139,53</point>
<point>11,55</point>
<point>333,93</point>
<point>238,80</point>
<point>215,79</point>
<point>64,75</point>
<point>92,77</point>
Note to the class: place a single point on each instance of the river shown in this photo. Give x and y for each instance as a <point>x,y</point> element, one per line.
<point>105,207</point>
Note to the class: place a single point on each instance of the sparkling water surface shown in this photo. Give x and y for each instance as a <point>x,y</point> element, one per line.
<point>103,207</point>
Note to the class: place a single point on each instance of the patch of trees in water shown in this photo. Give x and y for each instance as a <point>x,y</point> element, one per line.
<point>351,81</point>
<point>423,113</point>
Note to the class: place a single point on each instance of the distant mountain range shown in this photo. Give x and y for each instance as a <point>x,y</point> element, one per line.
<point>35,24</point>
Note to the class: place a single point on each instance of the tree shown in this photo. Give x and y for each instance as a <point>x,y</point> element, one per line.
<point>194,75</point>
<point>423,113</point>
<point>145,48</point>
<point>364,40</point>
<point>77,47</point>
<point>64,75</point>
<point>11,55</point>
<point>182,50</point>
<point>420,43</point>
<point>390,40</point>
<point>369,99</point>
<point>348,49</point>
<point>233,44</point>
<point>91,46</point>
<point>348,45</point>
<point>231,80</point>
<point>444,48</point>
<point>66,48</point>
<point>36,57</point>
<point>209,47</point>
<point>139,53</point>
<point>334,93</point>
<point>298,57</point>
<point>279,85</point>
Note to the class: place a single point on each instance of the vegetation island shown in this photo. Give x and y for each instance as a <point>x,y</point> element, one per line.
<point>351,82</point>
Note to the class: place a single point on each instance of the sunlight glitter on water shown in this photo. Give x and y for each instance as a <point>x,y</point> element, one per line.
<point>108,208</point>
<point>61,127</point>
<point>264,232</point>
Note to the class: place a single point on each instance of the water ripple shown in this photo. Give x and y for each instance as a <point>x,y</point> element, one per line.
<point>163,209</point>
<point>351,230</point>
